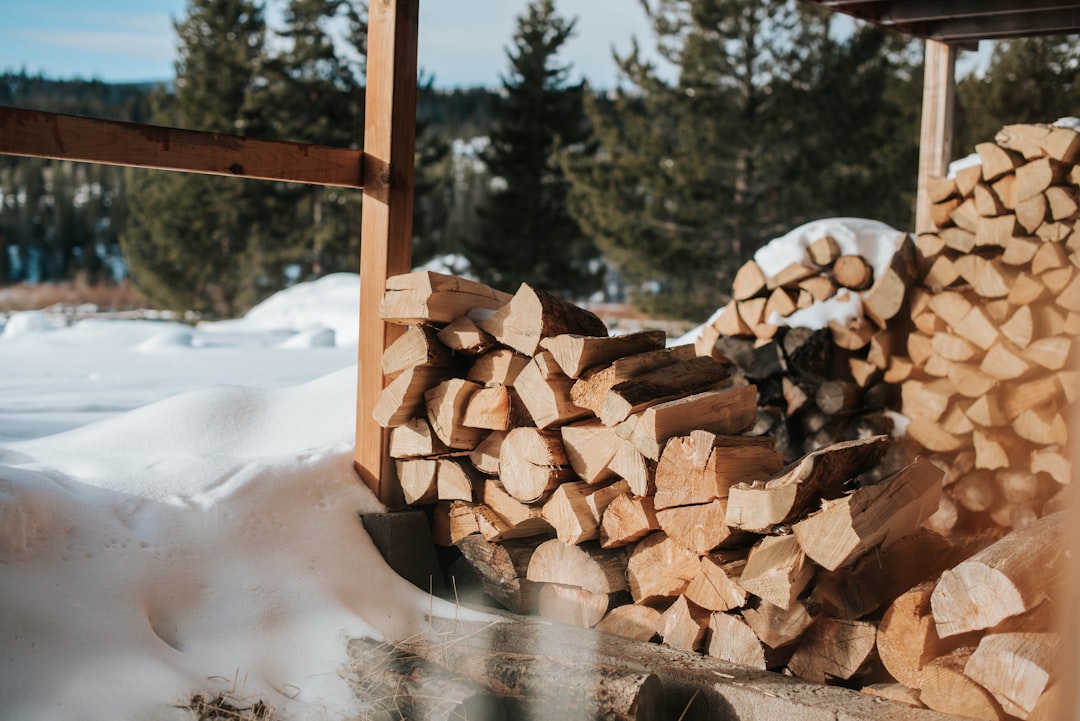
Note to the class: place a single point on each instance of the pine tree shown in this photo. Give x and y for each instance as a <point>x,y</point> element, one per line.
<point>526,232</point>
<point>191,237</point>
<point>1028,80</point>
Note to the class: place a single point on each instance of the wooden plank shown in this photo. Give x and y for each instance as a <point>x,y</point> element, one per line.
<point>34,133</point>
<point>935,139</point>
<point>386,225</point>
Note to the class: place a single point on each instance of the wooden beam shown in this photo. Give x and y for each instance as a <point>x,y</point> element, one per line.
<point>935,140</point>
<point>386,226</point>
<point>34,133</point>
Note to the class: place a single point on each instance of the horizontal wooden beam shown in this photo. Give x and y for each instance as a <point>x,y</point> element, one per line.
<point>34,133</point>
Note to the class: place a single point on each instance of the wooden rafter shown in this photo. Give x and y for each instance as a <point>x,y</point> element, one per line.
<point>67,137</point>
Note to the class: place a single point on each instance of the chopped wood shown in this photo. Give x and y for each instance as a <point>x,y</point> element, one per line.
<point>486,454</point>
<point>1051,353</point>
<point>1035,177</point>
<point>1066,284</point>
<point>833,649</point>
<point>521,520</point>
<point>871,516</point>
<point>941,211</point>
<point>837,397</point>
<point>417,477</point>
<point>987,203</point>
<point>790,276</point>
<point>496,408</point>
<point>997,232</point>
<point>1005,579</point>
<point>634,468</point>
<point>632,621</point>
<point>575,508</point>
<point>462,522</point>
<point>958,239</point>
<point>732,640</point>
<point>415,439</point>
<point>585,566</point>
<point>702,466</point>
<point>1053,462</point>
<point>1020,328</point>
<point>699,528</point>
<point>1015,667</point>
<point>545,392</point>
<point>577,353</point>
<point>782,301</point>
<point>1031,212</point>
<point>933,436</point>
<point>534,314</point>
<point>1036,140</point>
<point>942,273</point>
<point>1004,362</point>
<point>464,336</point>
<point>683,625</point>
<point>1021,250</point>
<point>429,297</point>
<point>777,570</point>
<point>824,251</point>
<point>967,178</point>
<point>729,322</point>
<point>456,479</point>
<point>716,586</point>
<point>824,473</point>
<point>590,390</point>
<point>966,215</point>
<point>1005,190</point>
<point>403,397</point>
<point>986,411</point>
<point>590,446</point>
<point>852,335</point>
<point>671,382</point>
<point>1043,426</point>
<point>987,278</point>
<point>996,161</point>
<point>498,367</point>
<point>724,412</point>
<point>945,687</point>
<point>939,188</point>
<point>1054,232</point>
<point>571,605</point>
<point>532,463</point>
<point>852,271</point>
<point>658,568</point>
<point>777,627</point>
<point>820,287</point>
<point>1061,202</point>
<point>974,490</point>
<point>446,407</point>
<point>417,346</point>
<point>748,282</point>
<point>627,518</point>
<point>502,568</point>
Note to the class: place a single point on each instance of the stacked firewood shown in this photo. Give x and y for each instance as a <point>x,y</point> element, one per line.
<point>989,372</point>
<point>821,378</point>
<point>614,482</point>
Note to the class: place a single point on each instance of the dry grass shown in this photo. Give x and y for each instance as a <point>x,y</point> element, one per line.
<point>105,297</point>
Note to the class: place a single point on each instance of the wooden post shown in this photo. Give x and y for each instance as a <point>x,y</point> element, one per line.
<point>935,139</point>
<point>386,227</point>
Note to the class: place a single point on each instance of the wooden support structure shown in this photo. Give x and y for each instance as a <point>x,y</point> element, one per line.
<point>386,224</point>
<point>935,139</point>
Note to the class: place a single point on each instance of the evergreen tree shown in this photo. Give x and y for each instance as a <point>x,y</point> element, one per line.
<point>1028,80</point>
<point>191,237</point>
<point>526,231</point>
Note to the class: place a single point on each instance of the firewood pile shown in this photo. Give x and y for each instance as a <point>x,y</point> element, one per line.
<point>742,497</point>
<point>989,368</point>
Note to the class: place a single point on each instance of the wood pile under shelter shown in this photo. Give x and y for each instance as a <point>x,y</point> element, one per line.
<point>622,484</point>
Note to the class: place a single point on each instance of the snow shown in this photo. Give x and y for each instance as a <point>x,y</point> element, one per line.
<point>194,527</point>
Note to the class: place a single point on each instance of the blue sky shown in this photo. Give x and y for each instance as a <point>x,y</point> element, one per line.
<point>461,41</point>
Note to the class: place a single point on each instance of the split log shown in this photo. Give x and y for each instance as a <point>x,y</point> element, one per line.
<point>1037,140</point>
<point>586,566</point>
<point>683,625</point>
<point>577,353</point>
<point>1007,578</point>
<point>532,463</point>
<point>871,516</point>
<point>749,281</point>
<point>634,468</point>
<point>575,508</point>
<point>415,439</point>
<point>486,454</point>
<point>825,250</point>
<point>777,570</point>
<point>497,408</point>
<point>591,389</point>
<point>777,627</point>
<point>397,684</point>
<point>571,605</point>
<point>428,297</point>
<point>671,382</point>
<point>446,406</point>
<point>716,586</point>
<point>833,649</point>
<point>627,518</point>
<point>464,336</point>
<point>417,346</point>
<point>497,367</point>
<point>417,478</point>
<point>522,520</point>
<point>503,570</point>
<point>545,392</point>
<point>403,397</point>
<point>732,640</point>
<point>996,161</point>
<point>658,568</point>
<point>590,446</point>
<point>824,473</point>
<point>702,466</point>
<point>1015,667</point>
<point>1035,177</point>
<point>632,621</point>
<point>456,480</point>
<point>852,271</point>
<point>724,412</point>
<point>699,528</point>
<point>790,275</point>
<point>939,188</point>
<point>534,314</point>
<point>945,687</point>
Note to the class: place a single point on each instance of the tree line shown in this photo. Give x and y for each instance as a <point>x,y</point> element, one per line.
<point>759,116</point>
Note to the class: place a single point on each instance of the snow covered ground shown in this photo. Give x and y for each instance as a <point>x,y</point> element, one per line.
<point>193,525</point>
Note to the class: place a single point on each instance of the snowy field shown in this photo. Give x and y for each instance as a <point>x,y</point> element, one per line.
<point>193,526</point>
